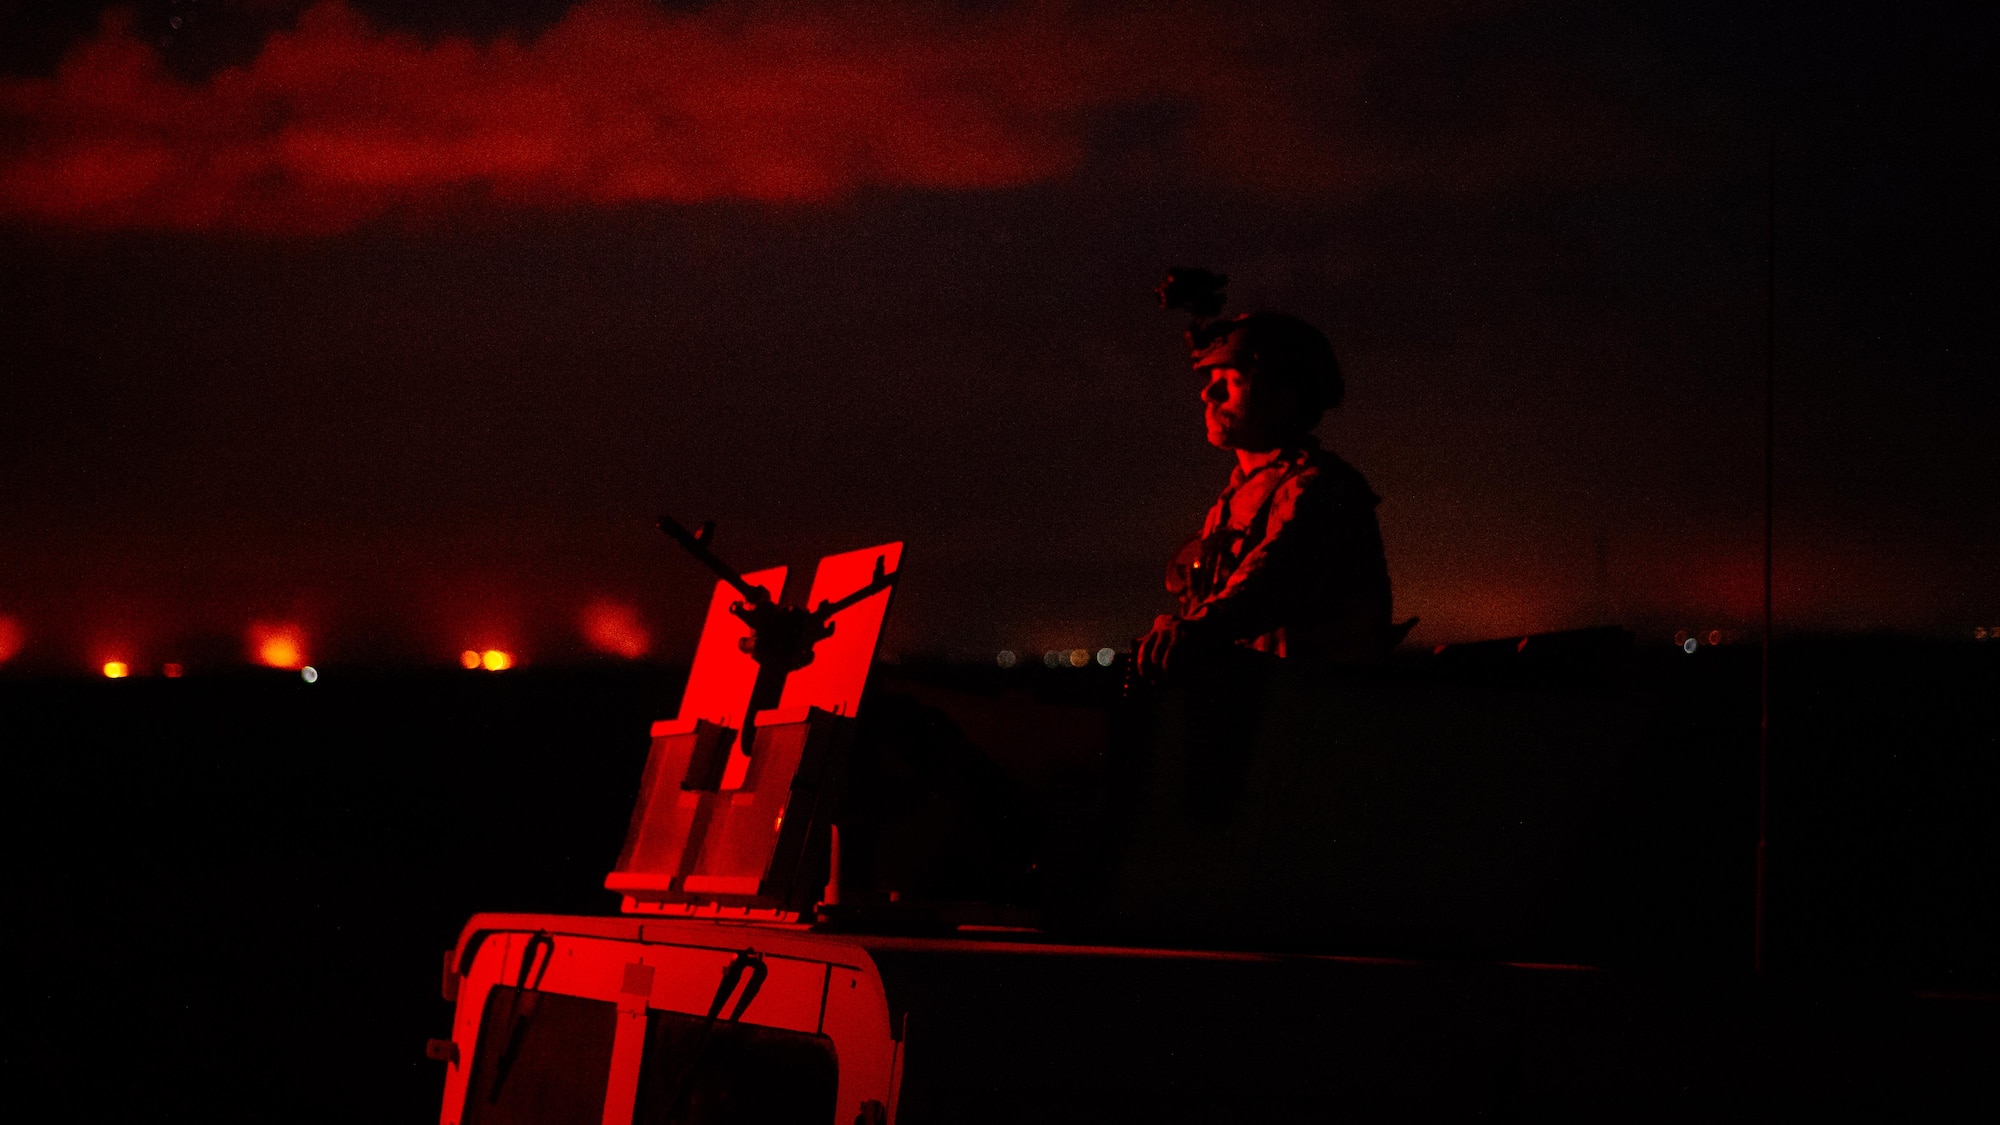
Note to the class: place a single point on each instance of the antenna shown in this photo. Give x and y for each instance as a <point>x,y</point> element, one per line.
<point>1770,474</point>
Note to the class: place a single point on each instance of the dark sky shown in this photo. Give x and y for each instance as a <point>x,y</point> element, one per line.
<point>399,322</point>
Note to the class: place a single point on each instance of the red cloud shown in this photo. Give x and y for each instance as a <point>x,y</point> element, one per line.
<point>337,122</point>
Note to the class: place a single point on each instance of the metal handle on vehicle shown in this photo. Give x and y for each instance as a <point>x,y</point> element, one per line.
<point>748,959</point>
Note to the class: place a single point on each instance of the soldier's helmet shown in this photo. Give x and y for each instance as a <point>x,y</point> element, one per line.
<point>1274,344</point>
<point>1270,344</point>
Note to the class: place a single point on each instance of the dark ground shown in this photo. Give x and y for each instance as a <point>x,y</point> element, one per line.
<point>228,895</point>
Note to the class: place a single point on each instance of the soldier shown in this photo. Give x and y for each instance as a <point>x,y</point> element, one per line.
<point>1289,561</point>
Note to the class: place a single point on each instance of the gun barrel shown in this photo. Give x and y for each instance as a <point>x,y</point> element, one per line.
<point>876,585</point>
<point>692,544</point>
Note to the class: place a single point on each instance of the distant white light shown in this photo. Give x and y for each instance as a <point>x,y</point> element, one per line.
<point>1105,656</point>
<point>309,674</point>
<point>1054,659</point>
<point>1689,645</point>
<point>1006,659</point>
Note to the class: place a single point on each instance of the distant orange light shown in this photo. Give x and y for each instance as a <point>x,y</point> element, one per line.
<point>469,658</point>
<point>493,660</point>
<point>615,629</point>
<point>278,645</point>
<point>116,670</point>
<point>171,671</point>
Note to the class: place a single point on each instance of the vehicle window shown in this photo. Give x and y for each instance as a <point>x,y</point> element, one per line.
<point>708,1072</point>
<point>542,1059</point>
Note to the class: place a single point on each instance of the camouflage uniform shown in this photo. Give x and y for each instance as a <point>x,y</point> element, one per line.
<point>1290,562</point>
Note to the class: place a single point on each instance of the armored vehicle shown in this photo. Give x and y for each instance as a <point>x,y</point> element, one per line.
<point>1293,892</point>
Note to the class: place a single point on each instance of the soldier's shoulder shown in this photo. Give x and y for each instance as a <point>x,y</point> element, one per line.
<point>1326,478</point>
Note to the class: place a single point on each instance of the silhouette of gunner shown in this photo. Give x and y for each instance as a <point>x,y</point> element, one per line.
<point>1289,561</point>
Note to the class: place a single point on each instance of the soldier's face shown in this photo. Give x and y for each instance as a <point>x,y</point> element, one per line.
<point>1233,412</point>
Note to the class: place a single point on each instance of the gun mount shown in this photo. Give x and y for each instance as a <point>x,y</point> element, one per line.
<point>781,637</point>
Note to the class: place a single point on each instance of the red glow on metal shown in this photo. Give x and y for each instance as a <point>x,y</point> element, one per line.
<point>814,984</point>
<point>614,629</point>
<point>719,834</point>
<point>278,645</point>
<point>719,684</point>
<point>1076,949</point>
<point>833,681</point>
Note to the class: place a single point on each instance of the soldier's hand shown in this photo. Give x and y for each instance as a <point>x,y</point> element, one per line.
<point>1152,654</point>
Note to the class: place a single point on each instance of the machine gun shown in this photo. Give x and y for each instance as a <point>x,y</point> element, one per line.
<point>781,637</point>
<point>740,789</point>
